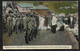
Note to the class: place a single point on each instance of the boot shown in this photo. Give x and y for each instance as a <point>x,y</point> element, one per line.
<point>26,41</point>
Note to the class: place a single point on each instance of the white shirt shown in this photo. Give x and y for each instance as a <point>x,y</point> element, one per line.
<point>14,21</point>
<point>71,18</point>
<point>54,20</point>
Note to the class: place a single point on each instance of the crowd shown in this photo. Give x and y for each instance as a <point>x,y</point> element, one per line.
<point>31,23</point>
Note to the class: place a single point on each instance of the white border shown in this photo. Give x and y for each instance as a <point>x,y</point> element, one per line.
<point>38,47</point>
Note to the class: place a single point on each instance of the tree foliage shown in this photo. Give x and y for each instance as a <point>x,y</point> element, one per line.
<point>55,6</point>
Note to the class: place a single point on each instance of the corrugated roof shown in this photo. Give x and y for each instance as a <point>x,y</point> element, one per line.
<point>26,4</point>
<point>40,7</point>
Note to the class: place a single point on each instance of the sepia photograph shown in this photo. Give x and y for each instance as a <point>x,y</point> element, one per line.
<point>40,24</point>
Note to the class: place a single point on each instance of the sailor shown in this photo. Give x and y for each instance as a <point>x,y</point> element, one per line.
<point>54,23</point>
<point>59,24</point>
<point>72,20</point>
<point>14,23</point>
<point>66,20</point>
<point>41,22</point>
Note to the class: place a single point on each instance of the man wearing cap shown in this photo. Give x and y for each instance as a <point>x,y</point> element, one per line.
<point>71,19</point>
<point>25,22</point>
<point>54,23</point>
<point>17,24</point>
<point>10,23</point>
<point>21,24</point>
<point>31,27</point>
<point>36,21</point>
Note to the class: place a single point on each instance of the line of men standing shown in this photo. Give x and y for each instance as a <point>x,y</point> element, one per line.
<point>27,24</point>
<point>31,26</point>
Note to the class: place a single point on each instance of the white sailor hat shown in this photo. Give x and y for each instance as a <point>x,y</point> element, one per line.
<point>72,15</point>
<point>53,14</point>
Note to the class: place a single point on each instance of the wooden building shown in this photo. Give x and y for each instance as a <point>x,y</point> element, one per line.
<point>41,10</point>
<point>24,7</point>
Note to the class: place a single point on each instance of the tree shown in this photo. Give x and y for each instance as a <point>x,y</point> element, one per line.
<point>55,6</point>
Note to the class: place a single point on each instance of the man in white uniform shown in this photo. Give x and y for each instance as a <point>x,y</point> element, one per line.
<point>71,19</point>
<point>54,22</point>
<point>14,23</point>
<point>41,25</point>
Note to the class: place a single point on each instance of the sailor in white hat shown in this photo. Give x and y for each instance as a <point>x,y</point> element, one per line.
<point>71,18</point>
<point>54,23</point>
<point>14,22</point>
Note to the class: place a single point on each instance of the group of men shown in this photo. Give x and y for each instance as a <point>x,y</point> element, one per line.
<point>19,24</point>
<point>67,23</point>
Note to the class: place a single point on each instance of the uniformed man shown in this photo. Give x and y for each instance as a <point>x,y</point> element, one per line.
<point>59,24</point>
<point>17,24</point>
<point>4,24</point>
<point>25,22</point>
<point>29,28</point>
<point>21,24</point>
<point>72,21</point>
<point>66,20</point>
<point>36,24</point>
<point>10,23</point>
<point>54,23</point>
<point>34,28</point>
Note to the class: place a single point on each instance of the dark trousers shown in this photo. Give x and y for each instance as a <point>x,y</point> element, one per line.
<point>10,33</point>
<point>31,35</point>
<point>53,28</point>
<point>35,33</point>
<point>16,29</point>
<point>26,37</point>
<point>20,27</point>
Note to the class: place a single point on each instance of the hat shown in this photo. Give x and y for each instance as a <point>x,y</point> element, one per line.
<point>72,15</point>
<point>53,14</point>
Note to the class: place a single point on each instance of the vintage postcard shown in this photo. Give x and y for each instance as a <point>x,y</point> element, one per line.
<point>40,25</point>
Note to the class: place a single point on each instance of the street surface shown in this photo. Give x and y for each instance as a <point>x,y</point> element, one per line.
<point>45,37</point>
